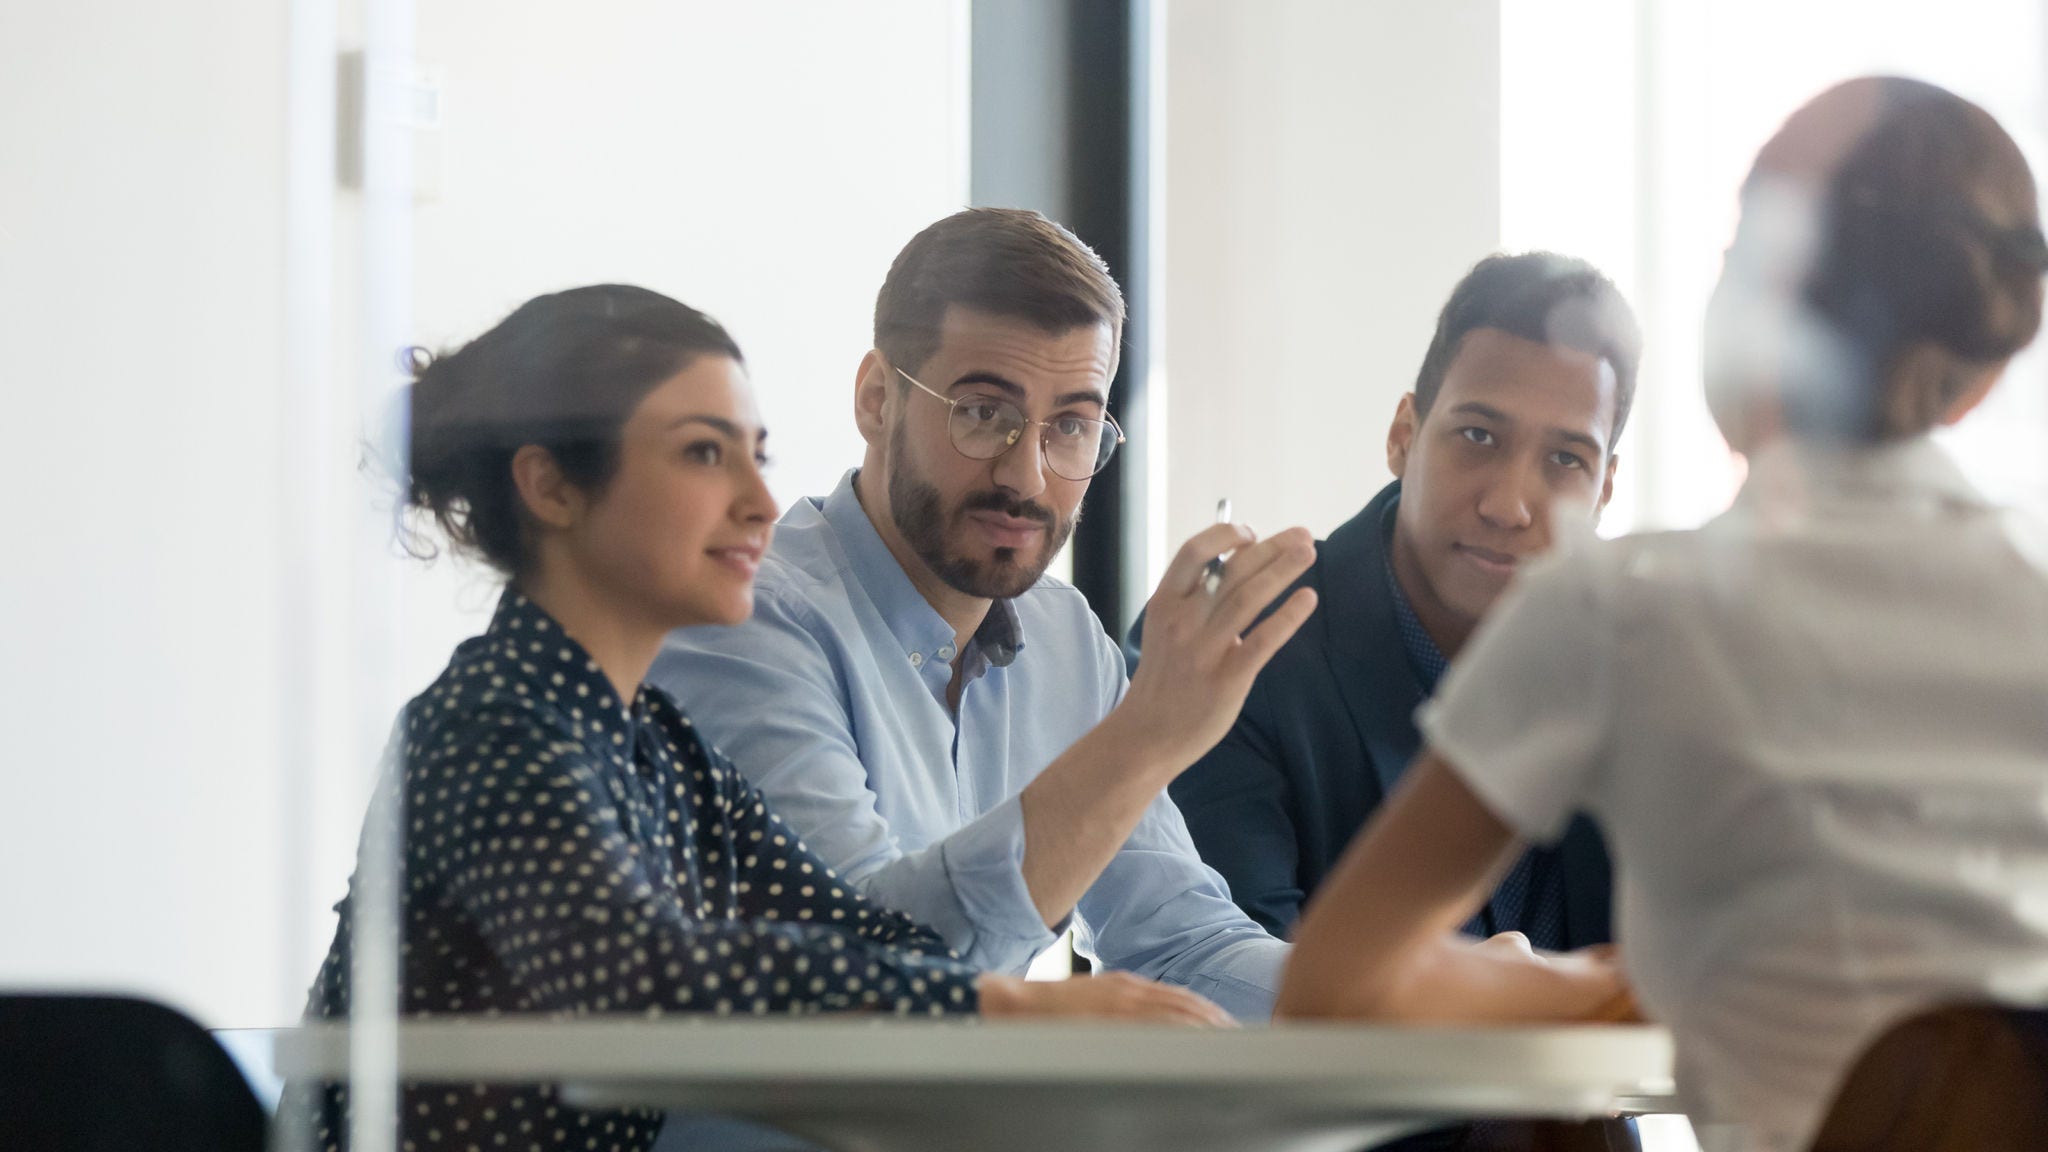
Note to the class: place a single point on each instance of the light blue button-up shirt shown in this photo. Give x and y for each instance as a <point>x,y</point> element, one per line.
<point>832,699</point>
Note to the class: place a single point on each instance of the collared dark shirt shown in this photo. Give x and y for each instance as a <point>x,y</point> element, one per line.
<point>1324,736</point>
<point>566,854</point>
<point>1424,657</point>
<point>1532,885</point>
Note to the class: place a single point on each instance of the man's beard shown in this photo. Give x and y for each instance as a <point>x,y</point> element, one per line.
<point>921,516</point>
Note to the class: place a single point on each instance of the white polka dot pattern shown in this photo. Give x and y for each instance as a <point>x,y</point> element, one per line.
<point>565,854</point>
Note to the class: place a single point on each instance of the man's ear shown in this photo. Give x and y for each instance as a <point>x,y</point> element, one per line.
<point>547,495</point>
<point>1401,436</point>
<point>873,386</point>
<point>1606,486</point>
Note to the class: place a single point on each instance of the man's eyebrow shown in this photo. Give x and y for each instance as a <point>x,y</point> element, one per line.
<point>1015,391</point>
<point>1010,388</point>
<point>1489,412</point>
<point>1580,438</point>
<point>1483,411</point>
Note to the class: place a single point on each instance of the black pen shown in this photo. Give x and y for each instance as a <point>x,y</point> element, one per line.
<point>1212,572</point>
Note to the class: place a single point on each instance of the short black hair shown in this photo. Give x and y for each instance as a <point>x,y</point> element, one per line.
<point>1546,298</point>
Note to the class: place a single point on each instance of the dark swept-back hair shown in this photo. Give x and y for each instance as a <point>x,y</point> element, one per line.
<point>1545,298</point>
<point>1904,251</point>
<point>1007,262</point>
<point>564,372</point>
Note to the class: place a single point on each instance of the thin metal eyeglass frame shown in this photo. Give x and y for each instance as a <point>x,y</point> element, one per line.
<point>952,402</point>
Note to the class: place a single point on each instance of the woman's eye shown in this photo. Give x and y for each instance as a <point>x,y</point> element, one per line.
<point>705,452</point>
<point>763,460</point>
<point>1476,435</point>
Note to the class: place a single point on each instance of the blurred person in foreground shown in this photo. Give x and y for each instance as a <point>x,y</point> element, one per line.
<point>1815,732</point>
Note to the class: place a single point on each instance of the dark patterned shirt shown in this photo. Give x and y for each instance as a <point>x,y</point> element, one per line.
<point>1532,891</point>
<point>566,855</point>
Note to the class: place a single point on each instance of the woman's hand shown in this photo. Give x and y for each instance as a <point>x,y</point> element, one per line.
<point>1109,996</point>
<point>1380,940</point>
<point>1589,978</point>
<point>1620,1006</point>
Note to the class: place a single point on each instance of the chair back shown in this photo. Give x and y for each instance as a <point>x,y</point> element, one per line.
<point>1964,1077</point>
<point>115,1074</point>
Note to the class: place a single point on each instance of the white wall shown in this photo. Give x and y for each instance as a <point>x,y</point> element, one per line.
<point>140,318</point>
<point>184,567</point>
<point>1627,128</point>
<point>761,162</point>
<point>1332,169</point>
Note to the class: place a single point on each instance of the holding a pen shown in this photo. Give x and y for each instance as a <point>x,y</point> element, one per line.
<point>1212,572</point>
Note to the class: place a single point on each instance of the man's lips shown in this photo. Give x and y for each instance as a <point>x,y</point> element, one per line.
<point>1005,531</point>
<point>1501,563</point>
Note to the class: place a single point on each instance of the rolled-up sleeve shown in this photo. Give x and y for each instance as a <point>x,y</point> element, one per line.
<point>769,693</point>
<point>1166,915</point>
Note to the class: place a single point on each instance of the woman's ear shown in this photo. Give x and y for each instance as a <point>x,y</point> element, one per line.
<point>1932,387</point>
<point>545,493</point>
<point>1975,386</point>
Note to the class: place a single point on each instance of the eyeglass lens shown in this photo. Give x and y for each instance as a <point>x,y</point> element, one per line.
<point>1076,447</point>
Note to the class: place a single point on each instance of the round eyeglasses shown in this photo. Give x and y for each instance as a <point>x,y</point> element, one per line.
<point>984,427</point>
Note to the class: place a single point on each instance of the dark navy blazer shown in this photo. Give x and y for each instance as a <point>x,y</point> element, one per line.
<point>1327,729</point>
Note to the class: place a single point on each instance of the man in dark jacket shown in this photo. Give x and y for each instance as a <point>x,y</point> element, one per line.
<point>1507,439</point>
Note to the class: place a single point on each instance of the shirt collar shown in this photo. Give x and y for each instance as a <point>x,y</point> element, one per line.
<point>916,625</point>
<point>1791,474</point>
<point>537,650</point>
<point>1000,637</point>
<point>1425,659</point>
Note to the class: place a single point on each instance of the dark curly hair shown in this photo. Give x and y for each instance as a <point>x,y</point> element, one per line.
<point>564,372</point>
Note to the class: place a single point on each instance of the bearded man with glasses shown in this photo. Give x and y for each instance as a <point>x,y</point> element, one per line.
<point>943,722</point>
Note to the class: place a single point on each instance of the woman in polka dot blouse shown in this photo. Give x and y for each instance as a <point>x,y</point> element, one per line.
<point>569,844</point>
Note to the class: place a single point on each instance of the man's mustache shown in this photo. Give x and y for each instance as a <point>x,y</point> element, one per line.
<point>993,501</point>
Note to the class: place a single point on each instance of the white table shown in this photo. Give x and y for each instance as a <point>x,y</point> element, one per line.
<point>865,1085</point>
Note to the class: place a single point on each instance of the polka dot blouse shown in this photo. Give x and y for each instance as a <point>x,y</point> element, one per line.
<point>564,854</point>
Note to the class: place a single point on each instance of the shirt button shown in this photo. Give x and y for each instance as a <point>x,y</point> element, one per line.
<point>917,659</point>
<point>946,653</point>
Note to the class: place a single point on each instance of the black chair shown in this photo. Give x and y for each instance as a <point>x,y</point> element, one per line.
<point>114,1074</point>
<point>1962,1078</point>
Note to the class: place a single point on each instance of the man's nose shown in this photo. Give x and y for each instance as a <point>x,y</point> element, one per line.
<point>1511,497</point>
<point>1021,469</point>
